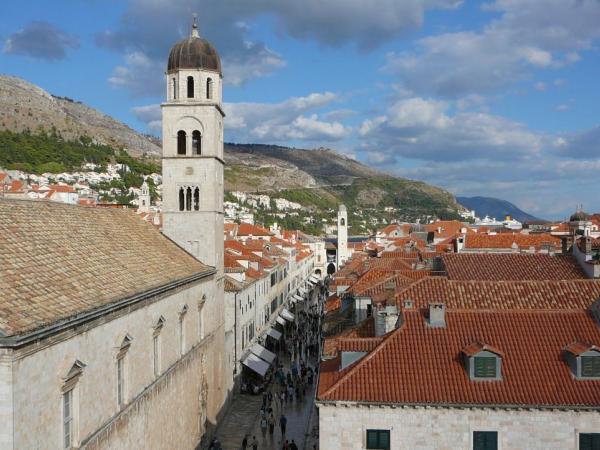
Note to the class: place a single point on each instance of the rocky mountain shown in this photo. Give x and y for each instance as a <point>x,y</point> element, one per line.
<point>495,207</point>
<point>27,107</point>
<point>318,179</point>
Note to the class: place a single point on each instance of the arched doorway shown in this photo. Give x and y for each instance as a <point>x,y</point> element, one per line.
<point>330,269</point>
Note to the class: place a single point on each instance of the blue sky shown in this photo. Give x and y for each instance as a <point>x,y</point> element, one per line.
<point>497,98</point>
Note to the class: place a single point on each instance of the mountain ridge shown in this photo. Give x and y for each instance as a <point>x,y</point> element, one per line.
<point>322,178</point>
<point>495,207</point>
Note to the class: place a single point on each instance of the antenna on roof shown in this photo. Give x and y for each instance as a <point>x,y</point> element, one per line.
<point>195,25</point>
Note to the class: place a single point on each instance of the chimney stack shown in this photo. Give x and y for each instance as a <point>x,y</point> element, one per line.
<point>390,293</point>
<point>437,315</point>
<point>588,245</point>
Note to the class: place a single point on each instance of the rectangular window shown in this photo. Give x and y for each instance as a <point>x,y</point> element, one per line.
<point>378,439</point>
<point>273,279</point>
<point>590,366</point>
<point>68,419</point>
<point>485,440</point>
<point>120,382</point>
<point>589,441</point>
<point>156,355</point>
<point>485,367</point>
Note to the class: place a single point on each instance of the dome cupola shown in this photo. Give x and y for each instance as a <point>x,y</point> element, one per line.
<point>194,53</point>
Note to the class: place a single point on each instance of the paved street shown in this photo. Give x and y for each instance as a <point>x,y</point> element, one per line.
<point>244,417</point>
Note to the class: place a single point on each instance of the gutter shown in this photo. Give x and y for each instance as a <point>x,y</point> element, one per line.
<point>87,316</point>
<point>455,405</point>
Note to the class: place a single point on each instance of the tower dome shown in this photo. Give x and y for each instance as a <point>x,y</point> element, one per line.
<point>194,52</point>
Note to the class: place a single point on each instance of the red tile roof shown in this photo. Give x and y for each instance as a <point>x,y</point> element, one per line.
<point>511,266</point>
<point>507,240</point>
<point>577,348</point>
<point>459,294</point>
<point>247,229</point>
<point>417,364</point>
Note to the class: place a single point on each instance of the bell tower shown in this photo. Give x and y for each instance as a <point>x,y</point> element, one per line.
<point>342,237</point>
<point>192,160</point>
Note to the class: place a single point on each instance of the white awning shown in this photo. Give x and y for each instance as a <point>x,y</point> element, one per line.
<point>287,315</point>
<point>297,298</point>
<point>313,278</point>
<point>263,353</point>
<point>311,282</point>
<point>256,364</point>
<point>274,333</point>
<point>280,320</point>
<point>302,290</point>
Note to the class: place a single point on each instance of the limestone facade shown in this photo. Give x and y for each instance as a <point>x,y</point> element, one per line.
<point>345,427</point>
<point>167,409</point>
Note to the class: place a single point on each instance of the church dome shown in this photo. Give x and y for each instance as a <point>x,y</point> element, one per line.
<point>579,216</point>
<point>194,53</point>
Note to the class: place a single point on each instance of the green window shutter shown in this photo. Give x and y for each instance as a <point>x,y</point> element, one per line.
<point>589,441</point>
<point>378,439</point>
<point>485,366</point>
<point>485,440</point>
<point>590,366</point>
<point>371,438</point>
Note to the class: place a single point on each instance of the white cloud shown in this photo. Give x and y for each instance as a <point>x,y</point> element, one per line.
<point>529,35</point>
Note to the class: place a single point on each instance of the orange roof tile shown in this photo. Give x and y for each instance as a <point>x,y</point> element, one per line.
<point>507,240</point>
<point>420,365</point>
<point>511,266</point>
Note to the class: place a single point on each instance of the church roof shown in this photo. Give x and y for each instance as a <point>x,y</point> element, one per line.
<point>60,261</point>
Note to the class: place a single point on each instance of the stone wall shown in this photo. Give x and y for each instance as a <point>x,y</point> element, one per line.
<point>342,427</point>
<point>168,411</point>
<point>6,400</point>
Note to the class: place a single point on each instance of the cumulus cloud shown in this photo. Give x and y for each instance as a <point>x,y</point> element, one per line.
<point>41,40</point>
<point>528,35</point>
<point>424,129</point>
<point>228,25</point>
<point>293,120</point>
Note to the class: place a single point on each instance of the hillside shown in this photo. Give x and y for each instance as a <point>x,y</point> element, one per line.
<point>318,179</point>
<point>27,107</point>
<point>495,207</point>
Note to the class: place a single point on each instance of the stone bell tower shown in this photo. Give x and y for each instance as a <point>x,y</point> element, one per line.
<point>192,120</point>
<point>342,237</point>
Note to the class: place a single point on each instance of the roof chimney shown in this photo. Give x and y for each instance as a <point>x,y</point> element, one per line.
<point>390,293</point>
<point>437,315</point>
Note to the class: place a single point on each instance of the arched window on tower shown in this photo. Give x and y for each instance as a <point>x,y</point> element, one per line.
<point>190,87</point>
<point>209,88</point>
<point>197,199</point>
<point>343,222</point>
<point>174,88</point>
<point>181,199</point>
<point>181,142</point>
<point>188,199</point>
<point>196,143</point>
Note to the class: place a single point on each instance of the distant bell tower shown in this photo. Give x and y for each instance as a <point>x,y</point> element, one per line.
<point>144,198</point>
<point>342,237</point>
<point>192,161</point>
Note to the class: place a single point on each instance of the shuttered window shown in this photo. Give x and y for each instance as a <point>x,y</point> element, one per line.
<point>378,439</point>
<point>589,441</point>
<point>485,440</point>
<point>485,367</point>
<point>590,366</point>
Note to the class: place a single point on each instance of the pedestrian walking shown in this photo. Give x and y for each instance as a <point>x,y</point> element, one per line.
<point>286,445</point>
<point>254,443</point>
<point>271,424</point>
<point>245,442</point>
<point>293,445</point>
<point>283,424</point>
<point>263,426</point>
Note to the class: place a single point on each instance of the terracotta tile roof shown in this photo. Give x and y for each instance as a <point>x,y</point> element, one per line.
<point>247,229</point>
<point>353,335</point>
<point>253,273</point>
<point>369,278</point>
<point>332,303</point>
<point>460,294</point>
<point>511,266</point>
<point>444,229</point>
<point>390,263</point>
<point>401,254</point>
<point>511,240</point>
<point>477,347</point>
<point>231,264</point>
<point>62,188</point>
<point>577,348</point>
<point>59,260</point>
<point>418,364</point>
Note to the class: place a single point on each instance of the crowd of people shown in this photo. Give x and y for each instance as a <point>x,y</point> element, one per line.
<point>289,383</point>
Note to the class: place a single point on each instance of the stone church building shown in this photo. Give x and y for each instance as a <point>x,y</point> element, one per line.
<point>111,332</point>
